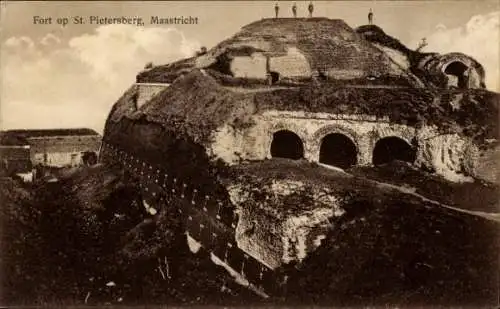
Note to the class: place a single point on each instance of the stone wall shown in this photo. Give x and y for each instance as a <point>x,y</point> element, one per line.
<point>59,151</point>
<point>293,64</point>
<point>254,143</point>
<point>435,65</point>
<point>148,90</point>
<point>254,66</point>
<point>58,159</point>
<point>209,220</point>
<point>450,155</point>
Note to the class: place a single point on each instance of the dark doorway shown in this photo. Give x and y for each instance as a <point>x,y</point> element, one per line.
<point>89,158</point>
<point>338,150</point>
<point>393,148</point>
<point>274,77</point>
<point>459,70</point>
<point>287,144</point>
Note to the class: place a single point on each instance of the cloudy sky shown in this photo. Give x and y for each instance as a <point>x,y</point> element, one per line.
<point>55,76</point>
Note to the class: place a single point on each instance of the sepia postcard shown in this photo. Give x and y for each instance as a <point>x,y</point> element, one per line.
<point>249,153</point>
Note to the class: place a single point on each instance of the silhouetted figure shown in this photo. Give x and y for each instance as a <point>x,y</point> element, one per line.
<point>422,44</point>
<point>311,9</point>
<point>277,9</point>
<point>370,17</point>
<point>294,9</point>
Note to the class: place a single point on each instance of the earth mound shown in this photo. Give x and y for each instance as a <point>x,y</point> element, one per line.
<point>108,249</point>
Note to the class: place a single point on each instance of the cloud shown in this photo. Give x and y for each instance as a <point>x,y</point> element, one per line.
<point>50,83</point>
<point>50,39</point>
<point>20,42</point>
<point>478,38</point>
<point>118,50</point>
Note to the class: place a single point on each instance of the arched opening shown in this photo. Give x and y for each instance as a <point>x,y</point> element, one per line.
<point>393,148</point>
<point>287,144</point>
<point>89,158</point>
<point>338,150</point>
<point>457,74</point>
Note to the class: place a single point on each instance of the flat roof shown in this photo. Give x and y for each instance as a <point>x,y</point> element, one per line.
<point>19,137</point>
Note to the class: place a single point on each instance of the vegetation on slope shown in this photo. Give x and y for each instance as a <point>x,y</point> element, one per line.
<point>375,34</point>
<point>475,196</point>
<point>473,113</point>
<point>88,240</point>
<point>195,105</point>
<point>166,73</point>
<point>91,229</point>
<point>326,43</point>
<point>401,252</point>
<point>389,247</point>
<point>184,106</point>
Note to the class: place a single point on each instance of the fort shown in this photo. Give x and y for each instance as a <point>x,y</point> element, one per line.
<point>231,139</point>
<point>23,150</point>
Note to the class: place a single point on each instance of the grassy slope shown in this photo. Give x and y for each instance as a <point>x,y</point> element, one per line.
<point>388,247</point>
<point>477,116</point>
<point>477,195</point>
<point>375,34</point>
<point>166,73</point>
<point>17,234</point>
<point>400,252</point>
<point>200,104</point>
<point>90,229</point>
<point>326,43</point>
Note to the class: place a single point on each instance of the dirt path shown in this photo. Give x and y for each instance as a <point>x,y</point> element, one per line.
<point>488,216</point>
<point>410,191</point>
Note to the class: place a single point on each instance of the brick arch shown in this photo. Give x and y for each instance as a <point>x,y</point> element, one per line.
<point>287,144</point>
<point>407,135</point>
<point>320,134</point>
<point>334,128</point>
<point>280,126</point>
<point>392,147</point>
<point>283,126</point>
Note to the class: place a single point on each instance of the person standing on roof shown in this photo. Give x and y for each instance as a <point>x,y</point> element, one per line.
<point>311,9</point>
<point>294,9</point>
<point>370,17</point>
<point>277,9</point>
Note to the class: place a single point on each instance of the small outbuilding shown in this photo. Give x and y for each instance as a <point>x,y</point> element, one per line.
<point>22,150</point>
